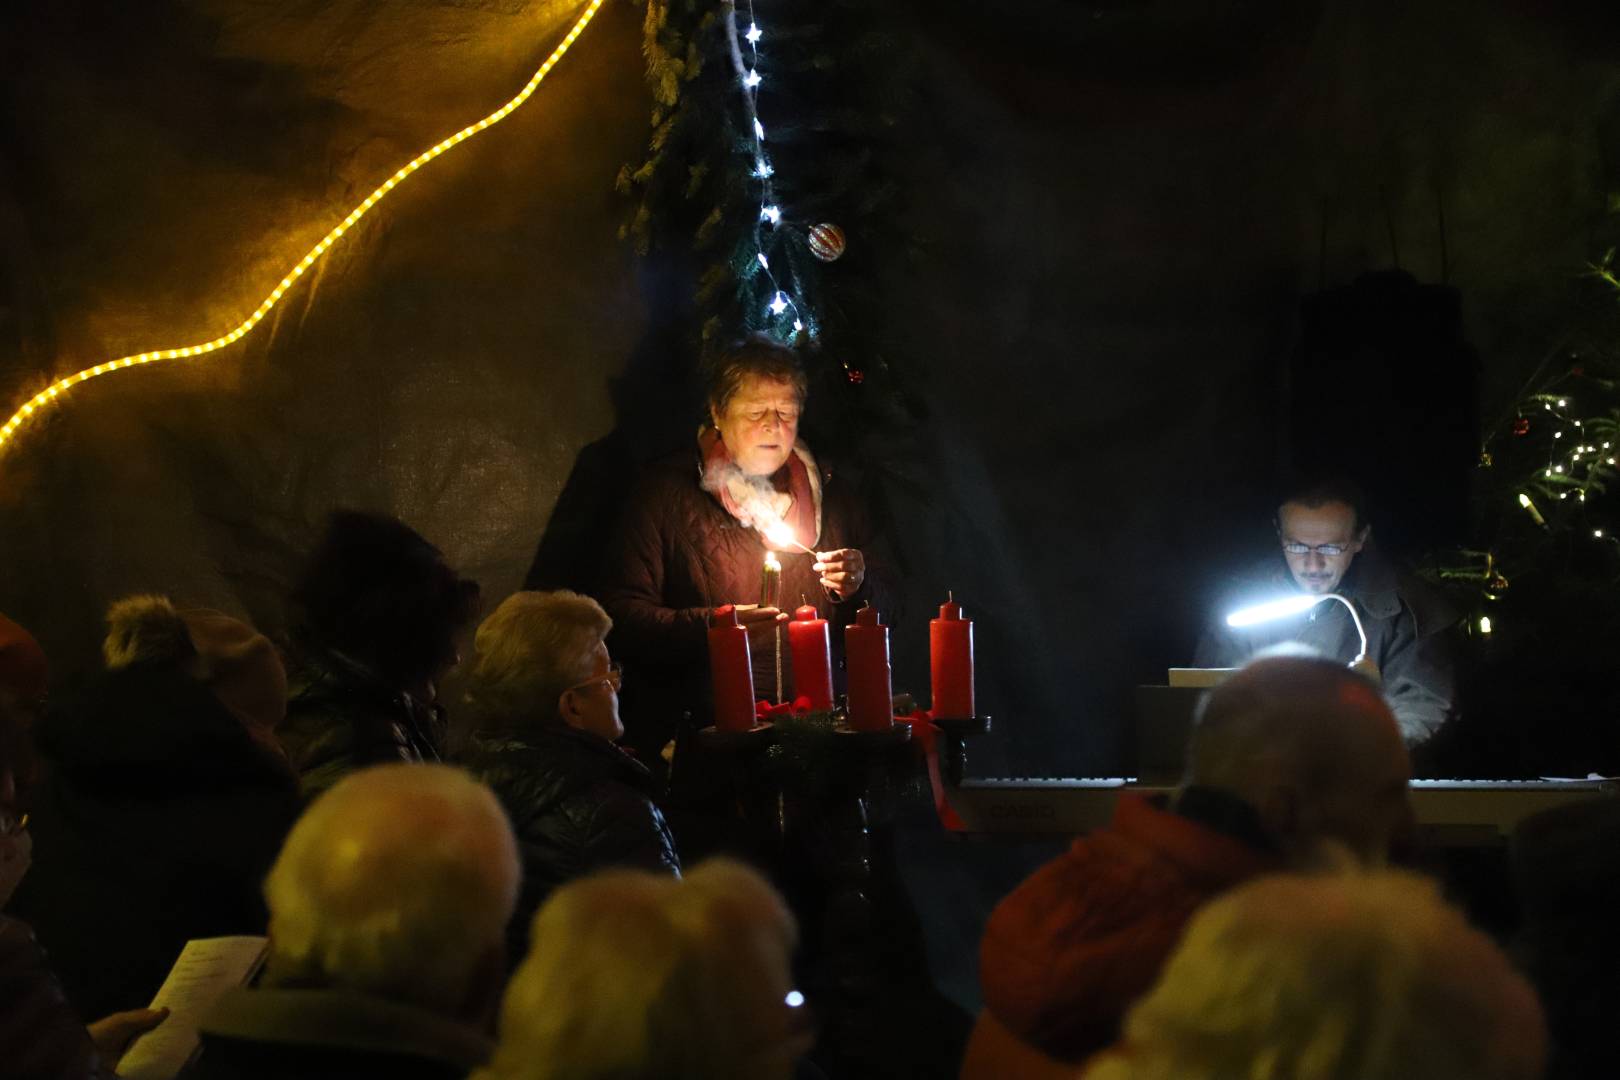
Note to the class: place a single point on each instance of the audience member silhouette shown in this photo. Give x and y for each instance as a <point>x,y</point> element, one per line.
<point>1336,977</point>
<point>41,1034</point>
<point>1566,863</point>
<point>632,974</point>
<point>544,704</point>
<point>387,909</point>
<point>378,615</point>
<point>1293,762</point>
<point>161,802</point>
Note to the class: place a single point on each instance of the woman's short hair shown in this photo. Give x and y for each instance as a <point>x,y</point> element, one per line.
<point>757,356</point>
<point>1345,977</point>
<point>532,648</point>
<point>637,974</point>
<point>375,590</point>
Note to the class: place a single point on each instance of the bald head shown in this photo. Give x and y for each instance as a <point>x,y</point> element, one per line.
<point>1313,748</point>
<point>398,882</point>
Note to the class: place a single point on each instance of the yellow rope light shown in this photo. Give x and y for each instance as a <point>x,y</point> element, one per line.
<point>62,386</point>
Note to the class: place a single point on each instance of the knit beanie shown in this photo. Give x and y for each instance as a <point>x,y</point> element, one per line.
<point>239,664</point>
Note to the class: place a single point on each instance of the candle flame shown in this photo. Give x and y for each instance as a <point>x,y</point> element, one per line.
<point>779,533</point>
<point>770,561</point>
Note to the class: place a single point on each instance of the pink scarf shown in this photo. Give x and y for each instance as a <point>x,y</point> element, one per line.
<point>796,485</point>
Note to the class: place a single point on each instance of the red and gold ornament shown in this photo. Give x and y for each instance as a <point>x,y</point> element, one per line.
<point>826,241</point>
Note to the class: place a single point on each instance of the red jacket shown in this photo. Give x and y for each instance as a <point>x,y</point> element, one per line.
<point>1071,949</point>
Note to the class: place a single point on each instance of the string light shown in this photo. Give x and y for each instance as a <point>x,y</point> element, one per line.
<point>770,211</point>
<point>1485,624</point>
<point>51,393</point>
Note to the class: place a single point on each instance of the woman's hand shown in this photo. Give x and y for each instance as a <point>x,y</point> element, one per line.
<point>760,616</point>
<point>842,571</point>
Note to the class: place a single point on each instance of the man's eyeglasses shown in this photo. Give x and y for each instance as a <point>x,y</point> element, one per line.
<point>614,678</point>
<point>1328,550</point>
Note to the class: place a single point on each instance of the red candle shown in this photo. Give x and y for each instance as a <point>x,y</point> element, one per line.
<point>732,670</point>
<point>812,657</point>
<point>871,698</point>
<point>950,653</point>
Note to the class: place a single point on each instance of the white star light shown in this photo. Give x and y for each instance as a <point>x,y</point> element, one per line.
<point>754,34</point>
<point>778,304</point>
<point>751,79</point>
<point>773,214</point>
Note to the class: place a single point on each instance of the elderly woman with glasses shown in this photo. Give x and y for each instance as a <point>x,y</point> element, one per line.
<point>695,533</point>
<point>543,702</point>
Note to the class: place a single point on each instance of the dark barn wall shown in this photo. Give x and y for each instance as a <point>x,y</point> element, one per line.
<point>167,162</point>
<point>1120,207</point>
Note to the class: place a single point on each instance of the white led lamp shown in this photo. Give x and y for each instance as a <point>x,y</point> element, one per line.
<point>1294,605</point>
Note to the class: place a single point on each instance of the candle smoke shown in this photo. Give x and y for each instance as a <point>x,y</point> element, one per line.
<point>759,505</point>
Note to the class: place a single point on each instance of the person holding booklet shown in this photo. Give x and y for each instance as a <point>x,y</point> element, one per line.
<point>388,909</point>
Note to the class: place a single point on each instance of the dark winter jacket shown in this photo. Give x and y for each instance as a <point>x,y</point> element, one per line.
<point>577,803</point>
<point>41,1037</point>
<point>155,821</point>
<point>313,1034</point>
<point>342,717</point>
<point>1410,635</point>
<point>677,555</point>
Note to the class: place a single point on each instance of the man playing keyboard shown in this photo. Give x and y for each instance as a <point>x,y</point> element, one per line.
<point>1326,547</point>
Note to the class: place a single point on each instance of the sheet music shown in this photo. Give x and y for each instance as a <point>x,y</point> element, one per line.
<point>1200,678</point>
<point>207,967</point>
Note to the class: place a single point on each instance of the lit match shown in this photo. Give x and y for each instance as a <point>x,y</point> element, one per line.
<point>780,535</point>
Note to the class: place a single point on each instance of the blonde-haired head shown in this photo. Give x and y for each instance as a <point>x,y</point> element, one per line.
<point>1343,977</point>
<point>636,974</point>
<point>533,648</point>
<point>397,882</point>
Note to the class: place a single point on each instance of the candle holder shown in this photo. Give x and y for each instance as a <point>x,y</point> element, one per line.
<point>957,733</point>
<point>758,737</point>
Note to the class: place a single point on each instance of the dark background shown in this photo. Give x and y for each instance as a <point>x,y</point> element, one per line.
<point>1120,207</point>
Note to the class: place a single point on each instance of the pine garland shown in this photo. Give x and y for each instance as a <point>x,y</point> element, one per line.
<point>837,82</point>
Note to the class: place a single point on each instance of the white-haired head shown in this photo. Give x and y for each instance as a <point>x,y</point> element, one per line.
<point>1342,977</point>
<point>636,974</point>
<point>397,882</point>
<point>1314,749</point>
<point>532,649</point>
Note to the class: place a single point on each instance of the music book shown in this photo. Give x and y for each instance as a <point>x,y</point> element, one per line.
<point>207,967</point>
<point>1200,678</point>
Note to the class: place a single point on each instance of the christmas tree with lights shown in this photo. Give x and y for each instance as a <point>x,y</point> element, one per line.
<point>770,164</point>
<point>1541,583</point>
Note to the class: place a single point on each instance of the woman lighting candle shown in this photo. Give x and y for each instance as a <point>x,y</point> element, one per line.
<point>693,537</point>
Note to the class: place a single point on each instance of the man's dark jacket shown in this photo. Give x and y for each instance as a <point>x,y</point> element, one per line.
<point>1410,631</point>
<point>341,717</point>
<point>155,821</point>
<point>677,555</point>
<point>577,803</point>
<point>314,1034</point>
